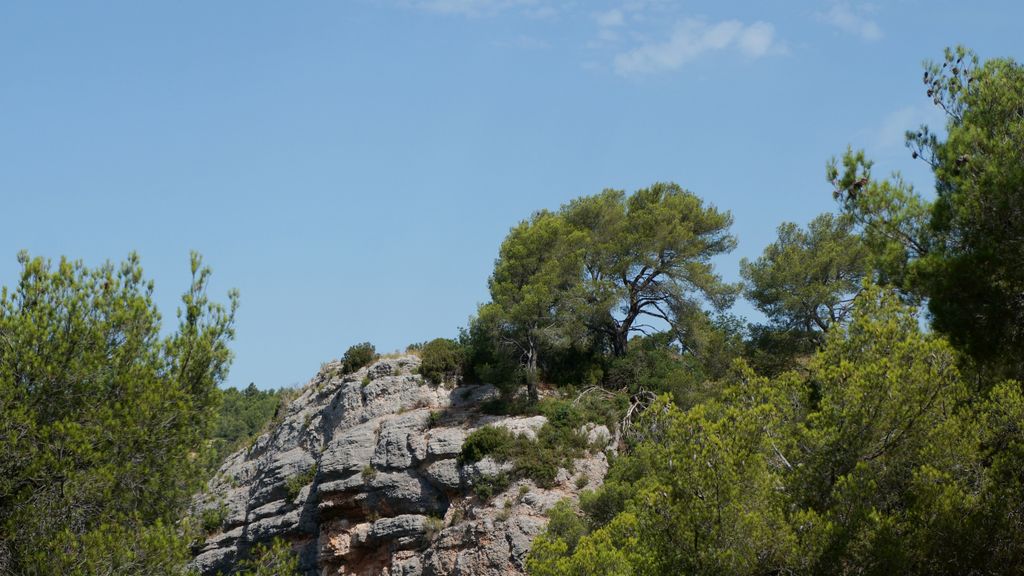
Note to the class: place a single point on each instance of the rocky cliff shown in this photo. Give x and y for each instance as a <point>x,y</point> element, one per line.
<point>361,476</point>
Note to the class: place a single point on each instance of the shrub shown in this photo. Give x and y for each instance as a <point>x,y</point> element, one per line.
<point>565,523</point>
<point>296,483</point>
<point>277,559</point>
<point>485,360</point>
<point>358,356</point>
<point>369,473</point>
<point>487,487</point>
<point>487,441</point>
<point>507,404</point>
<point>434,418</point>
<point>442,360</point>
<point>433,527</point>
<point>599,406</point>
<point>558,444</point>
<point>505,512</point>
<point>213,518</point>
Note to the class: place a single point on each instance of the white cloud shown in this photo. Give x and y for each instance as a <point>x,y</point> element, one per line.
<point>610,19</point>
<point>853,20</point>
<point>757,39</point>
<point>889,136</point>
<point>692,38</point>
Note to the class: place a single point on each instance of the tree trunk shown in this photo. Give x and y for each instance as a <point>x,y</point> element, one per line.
<point>531,376</point>
<point>620,341</point>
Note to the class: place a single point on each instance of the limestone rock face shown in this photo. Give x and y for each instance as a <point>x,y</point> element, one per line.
<point>361,476</point>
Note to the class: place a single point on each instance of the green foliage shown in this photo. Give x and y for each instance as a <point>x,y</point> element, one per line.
<point>121,547</point>
<point>242,415</point>
<point>644,257</point>
<point>805,282</point>
<point>571,286</point>
<point>487,360</point>
<point>876,461</point>
<point>963,251</point>
<point>974,272</point>
<point>566,524</point>
<point>441,360</point>
<point>654,363</point>
<point>891,217</point>
<point>599,407</point>
<point>487,487</point>
<point>535,266</point>
<point>357,356</point>
<point>277,559</point>
<point>104,421</point>
<point>434,418</point>
<point>296,483</point>
<point>557,445</point>
<point>212,519</point>
<point>369,473</point>
<point>493,441</point>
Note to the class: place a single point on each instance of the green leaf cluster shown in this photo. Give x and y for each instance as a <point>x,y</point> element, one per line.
<point>276,559</point>
<point>963,252</point>
<point>558,443</point>
<point>876,461</point>
<point>441,360</point>
<point>357,356</point>
<point>574,285</point>
<point>243,415</point>
<point>103,420</point>
<point>805,282</point>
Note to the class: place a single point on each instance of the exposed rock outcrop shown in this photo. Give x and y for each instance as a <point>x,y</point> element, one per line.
<point>362,477</point>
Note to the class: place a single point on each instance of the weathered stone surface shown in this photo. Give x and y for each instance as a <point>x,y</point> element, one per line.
<point>485,468</point>
<point>348,453</point>
<point>523,426</point>
<point>388,495</point>
<point>445,442</point>
<point>445,474</point>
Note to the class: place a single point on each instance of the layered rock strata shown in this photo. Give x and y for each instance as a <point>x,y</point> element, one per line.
<point>361,476</point>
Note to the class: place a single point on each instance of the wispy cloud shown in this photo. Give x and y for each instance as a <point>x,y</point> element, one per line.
<point>609,24</point>
<point>610,19</point>
<point>692,38</point>
<point>853,20</point>
<point>888,137</point>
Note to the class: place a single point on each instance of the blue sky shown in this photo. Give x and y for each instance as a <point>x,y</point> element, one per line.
<point>352,167</point>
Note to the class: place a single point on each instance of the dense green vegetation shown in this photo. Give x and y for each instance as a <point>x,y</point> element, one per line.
<point>878,461</point>
<point>104,421</point>
<point>847,434</point>
<point>274,559</point>
<point>846,440</point>
<point>963,251</point>
<point>243,415</point>
<point>441,360</point>
<point>586,278</point>
<point>558,442</point>
<point>357,356</point>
